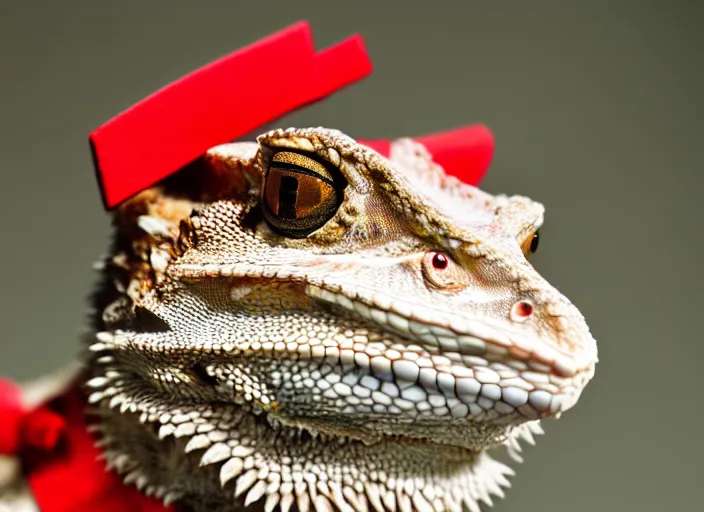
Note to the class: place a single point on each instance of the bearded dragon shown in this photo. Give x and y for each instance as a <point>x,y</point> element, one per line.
<point>302,323</point>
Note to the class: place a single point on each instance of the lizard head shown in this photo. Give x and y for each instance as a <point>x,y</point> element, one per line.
<point>316,288</point>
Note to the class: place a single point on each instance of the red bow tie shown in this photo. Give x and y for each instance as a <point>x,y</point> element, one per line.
<point>62,466</point>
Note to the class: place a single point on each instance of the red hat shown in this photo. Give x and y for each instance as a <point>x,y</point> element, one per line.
<point>230,97</point>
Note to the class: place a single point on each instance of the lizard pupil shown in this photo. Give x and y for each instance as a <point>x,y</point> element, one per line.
<point>288,192</point>
<point>439,261</point>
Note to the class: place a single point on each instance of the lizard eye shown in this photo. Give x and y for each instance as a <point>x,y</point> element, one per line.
<point>443,273</point>
<point>530,244</point>
<point>300,194</point>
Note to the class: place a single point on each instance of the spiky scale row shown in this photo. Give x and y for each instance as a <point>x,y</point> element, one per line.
<point>253,485</point>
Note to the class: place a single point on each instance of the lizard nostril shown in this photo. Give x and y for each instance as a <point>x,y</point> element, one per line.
<point>522,310</point>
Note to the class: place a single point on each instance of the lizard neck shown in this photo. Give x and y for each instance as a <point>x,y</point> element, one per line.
<point>224,458</point>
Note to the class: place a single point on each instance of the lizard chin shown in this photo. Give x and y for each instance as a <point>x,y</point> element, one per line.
<point>220,457</point>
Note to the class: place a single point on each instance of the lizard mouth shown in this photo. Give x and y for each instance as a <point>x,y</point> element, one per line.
<point>412,363</point>
<point>451,333</point>
<point>482,367</point>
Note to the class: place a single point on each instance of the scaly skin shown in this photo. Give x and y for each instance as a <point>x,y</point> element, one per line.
<point>368,365</point>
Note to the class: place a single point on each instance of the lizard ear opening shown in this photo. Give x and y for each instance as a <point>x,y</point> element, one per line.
<point>300,194</point>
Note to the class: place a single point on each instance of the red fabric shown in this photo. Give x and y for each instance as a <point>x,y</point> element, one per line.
<point>218,103</point>
<point>42,429</point>
<point>12,414</point>
<point>72,478</point>
<point>463,152</point>
<point>59,459</point>
<point>381,146</point>
<point>37,428</point>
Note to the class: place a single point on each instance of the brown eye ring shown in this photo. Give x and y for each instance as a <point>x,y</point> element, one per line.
<point>300,194</point>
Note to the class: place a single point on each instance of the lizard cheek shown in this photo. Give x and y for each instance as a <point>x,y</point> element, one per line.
<point>442,273</point>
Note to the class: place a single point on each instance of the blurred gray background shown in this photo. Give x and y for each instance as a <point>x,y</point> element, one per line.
<point>597,110</point>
